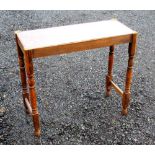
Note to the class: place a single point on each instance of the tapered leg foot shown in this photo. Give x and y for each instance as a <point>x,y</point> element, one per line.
<point>125,103</point>
<point>124,112</point>
<point>107,94</point>
<point>36,123</point>
<point>37,133</point>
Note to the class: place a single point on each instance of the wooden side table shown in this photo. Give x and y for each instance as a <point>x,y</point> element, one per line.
<point>65,39</point>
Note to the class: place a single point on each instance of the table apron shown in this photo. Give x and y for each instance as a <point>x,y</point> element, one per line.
<point>79,46</point>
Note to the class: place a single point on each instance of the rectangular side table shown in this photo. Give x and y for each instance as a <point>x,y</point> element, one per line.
<point>71,38</point>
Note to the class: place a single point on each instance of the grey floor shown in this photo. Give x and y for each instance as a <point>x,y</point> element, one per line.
<point>70,89</point>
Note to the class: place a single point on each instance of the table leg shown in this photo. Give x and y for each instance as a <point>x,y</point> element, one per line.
<point>33,99</point>
<point>126,94</point>
<point>110,67</point>
<point>23,75</point>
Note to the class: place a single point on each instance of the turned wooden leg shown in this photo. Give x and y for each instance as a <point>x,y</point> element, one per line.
<point>23,75</point>
<point>126,94</point>
<point>33,99</point>
<point>109,75</point>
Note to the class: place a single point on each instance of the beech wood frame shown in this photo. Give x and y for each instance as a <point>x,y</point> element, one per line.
<point>25,58</point>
